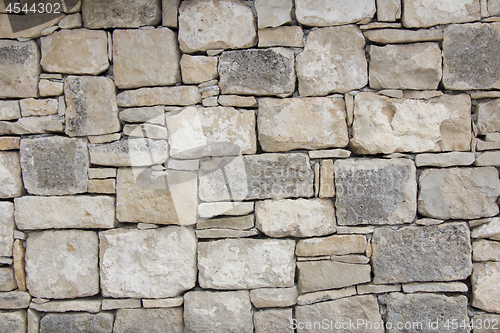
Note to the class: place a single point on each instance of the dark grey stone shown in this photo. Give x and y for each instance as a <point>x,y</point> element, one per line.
<point>13,321</point>
<point>167,320</point>
<point>77,322</point>
<point>99,14</point>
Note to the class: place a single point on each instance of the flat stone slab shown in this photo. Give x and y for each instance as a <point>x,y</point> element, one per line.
<point>291,36</point>
<point>166,268</point>
<point>80,305</point>
<point>435,287</point>
<point>231,222</point>
<point>484,280</point>
<point>445,159</point>
<point>11,183</point>
<point>14,321</point>
<point>485,250</point>
<point>338,245</point>
<point>198,69</point>
<point>7,280</point>
<point>148,320</point>
<point>10,110</point>
<point>421,13</point>
<point>180,95</point>
<point>103,14</point>
<point>273,321</point>
<point>375,191</point>
<point>211,209</point>
<point>131,152</point>
<point>14,300</point>
<point>77,322</point>
<point>398,36</point>
<point>274,297</point>
<point>246,263</point>
<point>331,12</point>
<point>420,254</point>
<point>489,230</point>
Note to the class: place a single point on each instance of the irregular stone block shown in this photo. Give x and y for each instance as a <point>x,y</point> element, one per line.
<point>485,250</point>
<point>181,95</point>
<point>470,58</point>
<point>485,279</point>
<point>273,13</point>
<point>494,7</point>
<point>166,268</point>
<point>333,60</point>
<point>103,14</point>
<point>10,143</point>
<point>246,263</point>
<point>226,233</point>
<point>77,322</point>
<point>7,281</point>
<point>397,36</point>
<point>83,212</point>
<point>257,72</point>
<point>151,114</point>
<point>11,184</point>
<point>209,311</point>
<point>163,303</point>
<point>273,321</point>
<point>375,191</point>
<point>332,245</point>
<point>54,165</point>
<point>14,300</point>
<point>78,51</point>
<point>490,229</point>
<point>286,176</point>
<point>296,218</point>
<point>233,223</point>
<point>388,10</point>
<point>488,119</point>
<point>214,131</point>
<point>33,125</point>
<point>10,110</point>
<point>145,131</point>
<point>433,287</point>
<point>145,57</point>
<point>301,123</point>
<point>291,36</point>
<point>71,21</point>
<point>19,254</point>
<point>326,182</point>
<point>421,13</point>
<point>13,321</point>
<point>419,254</point>
<point>445,160</point>
<point>387,125</point>
<point>16,26</point>
<point>210,209</point>
<point>488,158</point>
<point>201,27</point>
<point>326,295</point>
<point>170,10</point>
<point>274,297</point>
<point>197,69</point>
<point>38,107</point>
<point>148,320</point>
<point>332,12</point>
<point>62,264</point>
<point>131,152</point>
<point>80,305</point>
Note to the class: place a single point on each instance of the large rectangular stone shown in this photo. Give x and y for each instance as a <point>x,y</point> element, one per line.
<point>332,245</point>
<point>422,13</point>
<point>10,110</point>
<point>131,152</point>
<point>13,321</point>
<point>179,95</point>
<point>77,322</point>
<point>102,14</point>
<point>333,12</point>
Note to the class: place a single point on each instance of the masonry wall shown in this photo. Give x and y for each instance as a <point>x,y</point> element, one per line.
<point>250,166</point>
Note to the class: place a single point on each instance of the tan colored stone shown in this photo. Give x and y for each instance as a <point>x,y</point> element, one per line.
<point>234,223</point>
<point>421,13</point>
<point>485,250</point>
<point>170,10</point>
<point>397,36</point>
<point>371,288</point>
<point>492,137</point>
<point>18,254</point>
<point>327,186</point>
<point>484,145</point>
<point>84,305</point>
<point>99,14</point>
<point>328,12</point>
<point>16,26</point>
<point>426,94</point>
<point>210,209</point>
<point>273,321</point>
<point>274,297</point>
<point>485,293</point>
<point>163,302</point>
<point>380,25</point>
<point>10,110</point>
<point>148,320</point>
<point>38,107</point>
<point>485,322</point>
<point>290,36</point>
<point>187,165</point>
<point>428,221</point>
<point>197,69</point>
<point>226,233</point>
<point>341,230</point>
<point>120,303</point>
<point>494,7</point>
<point>433,287</point>
<point>489,158</point>
<point>273,13</point>
<point>445,160</point>
<point>102,173</point>
<point>332,245</point>
<point>7,280</point>
<point>11,184</point>
<point>487,229</point>
<point>326,295</point>
<point>104,186</point>
<point>181,95</point>
<point>50,88</point>
<point>237,101</point>
<point>151,114</point>
<point>145,131</point>
<point>14,300</point>
<point>395,93</point>
<point>350,259</point>
<point>132,152</point>
<point>332,153</point>
<point>33,125</point>
<point>388,10</point>
<point>488,120</point>
<point>71,21</point>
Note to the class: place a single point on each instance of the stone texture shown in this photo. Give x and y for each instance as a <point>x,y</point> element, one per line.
<point>120,303</point>
<point>234,223</point>
<point>62,264</point>
<point>77,322</point>
<point>33,125</point>
<point>160,197</point>
<point>488,229</point>
<point>375,191</point>
<point>80,305</point>
<point>226,233</point>
<point>421,13</point>
<point>76,51</point>
<point>13,321</point>
<point>14,300</point>
<point>207,210</point>
<point>54,165</point>
<point>411,66</point>
<point>102,173</point>
<point>131,152</point>
<point>237,101</point>
<point>38,107</point>
<point>201,27</point>
<point>148,320</point>
<point>102,186</point>
<point>333,60</point>
<point>286,176</point>
<point>166,268</point>
<point>332,245</point>
<point>265,72</point>
<point>432,287</point>
<point>485,250</point>
<point>102,14</point>
<point>488,158</point>
<point>272,13</point>
<point>11,184</point>
<point>10,110</point>
<point>213,131</point>
<point>470,58</point>
<point>331,12</point>
<point>419,254</point>
<point>197,69</point>
<point>163,302</point>
<point>19,68</point>
<point>433,313</point>
<point>494,7</point>
<point>273,321</point>
<point>387,125</point>
<point>484,280</point>
<point>326,181</point>
<point>377,288</point>
<point>459,193</point>
<point>7,281</point>
<point>326,295</point>
<point>181,95</point>
<point>19,255</point>
<point>246,263</point>
<point>274,297</point>
<point>150,114</point>
<point>388,10</point>
<point>301,123</point>
<point>90,106</point>
<point>145,57</point>
<point>296,218</point>
<point>83,212</point>
<point>445,160</point>
<point>488,119</point>
<point>397,36</point>
<point>104,138</point>
<point>71,21</point>
<point>291,36</point>
<point>16,26</point>
<point>145,131</point>
<point>331,153</point>
<point>207,311</point>
<point>170,10</point>
<point>486,323</point>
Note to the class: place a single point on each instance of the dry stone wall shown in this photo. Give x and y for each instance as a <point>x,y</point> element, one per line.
<point>250,166</point>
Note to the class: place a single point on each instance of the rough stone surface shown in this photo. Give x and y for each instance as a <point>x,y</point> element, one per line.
<point>197,69</point>
<point>54,165</point>
<point>414,254</point>
<point>172,302</point>
<point>13,321</point>
<point>19,255</point>
<point>206,311</point>
<point>388,125</point>
<point>182,95</point>
<point>432,287</point>
<point>272,13</point>
<point>170,10</point>
<point>485,250</point>
<point>166,268</point>
<point>145,57</point>
<point>459,193</point>
<point>489,229</point>
<point>80,305</point>
<point>377,288</point>
<point>11,184</point>
<point>10,110</point>
<point>151,114</point>
<point>77,322</point>
<point>226,233</point>
<point>332,245</point>
<point>102,14</point>
<point>273,321</point>
<point>331,12</point>
<point>265,176</point>
<point>488,158</point>
<point>375,191</point>
<point>121,303</point>
<point>237,101</point>
<point>445,160</point>
<point>291,36</point>
<point>132,152</point>
<point>488,119</point>
<point>83,212</point>
<point>71,21</point>
<point>148,320</point>
<point>326,295</point>
<point>76,51</point>
<point>274,297</point>
<point>38,107</point>
<point>62,264</point>
<point>486,323</point>
<point>494,7</point>
<point>221,24</point>
<point>259,263</point>
<point>234,223</point>
<point>7,281</point>
<point>422,13</point>
<point>484,280</point>
<point>326,181</point>
<point>388,10</point>
<point>470,58</point>
<point>257,72</point>
<point>207,210</point>
<point>397,36</point>
<point>14,300</point>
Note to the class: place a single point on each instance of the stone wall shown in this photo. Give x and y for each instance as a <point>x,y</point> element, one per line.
<point>253,166</point>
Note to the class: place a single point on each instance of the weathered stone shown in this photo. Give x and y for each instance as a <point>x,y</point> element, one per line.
<point>19,255</point>
<point>485,279</point>
<point>326,295</point>
<point>332,245</point>
<point>445,160</point>
<point>14,300</point>
<point>286,176</point>
<point>489,229</point>
<point>33,125</point>
<point>197,69</point>
<point>19,68</point>
<point>274,297</point>
<point>210,101</point>
<point>7,281</point>
<point>166,268</point>
<point>77,322</point>
<point>102,173</point>
<point>10,110</point>
<point>470,56</point>
<point>419,254</point>
<point>209,311</point>
<point>421,13</point>
<point>38,107</point>
<point>428,221</point>
<point>397,36</point>
<point>273,321</point>
<point>395,93</point>
<point>71,21</point>
<point>13,321</point>
<point>210,209</point>
<point>102,186</point>
<point>354,230</point>
<point>484,145</point>
<point>388,125</point>
<point>62,212</point>
<point>90,106</point>
<point>187,165</point>
<point>201,27</point>
<point>148,320</point>
<point>291,36</point>
<point>163,303</point>
<point>348,258</point>
<point>17,26</point>
<point>215,131</point>
<point>325,274</point>
<point>226,233</point>
<point>332,153</point>
<point>81,305</point>
<point>432,287</point>
<point>488,158</point>
<point>488,119</point>
<point>493,7</point>
<point>259,263</point>
<point>78,51</point>
<point>145,131</point>
<point>11,184</point>
<point>170,9</point>
<point>132,152</point>
<point>181,95</point>
<point>54,165</point>
<point>50,88</point>
<point>326,186</point>
<point>296,218</point>
<point>234,223</point>
<point>160,197</point>
<point>371,288</point>
<point>237,101</point>
<point>426,312</point>
<point>272,13</point>
<point>343,310</point>
<point>485,323</point>
<point>459,193</point>
<point>258,72</point>
<point>380,25</point>
<point>328,12</point>
<point>104,138</point>
<point>333,60</point>
<point>485,250</point>
<point>62,264</point>
<point>102,14</point>
<point>123,303</point>
<point>145,57</point>
<point>151,114</point>
<point>67,6</point>
<point>388,10</point>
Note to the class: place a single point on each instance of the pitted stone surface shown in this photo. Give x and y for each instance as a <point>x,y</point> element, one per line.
<point>333,12</point>
<point>485,279</point>
<point>148,320</point>
<point>6,228</point>
<point>422,13</point>
<point>102,14</point>
<point>11,184</point>
<point>77,322</point>
<point>132,152</point>
<point>13,321</point>
<point>273,321</point>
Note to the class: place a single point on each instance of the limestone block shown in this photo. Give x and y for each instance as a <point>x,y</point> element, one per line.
<point>333,12</point>
<point>237,101</point>
<point>397,36</point>
<point>170,10</point>
<point>488,119</point>
<point>370,288</point>
<point>120,303</point>
<point>38,107</point>
<point>325,295</point>
<point>485,250</point>
<point>172,302</point>
<point>485,279</point>
<point>67,6</point>
<point>333,245</point>
<point>132,152</point>
<point>494,7</point>
<point>291,36</point>
<point>422,13</point>
<point>490,229</point>
<point>273,13</point>
<point>10,143</point>
<point>197,69</point>
<point>13,321</point>
<point>80,305</point>
<point>181,95</point>
<point>433,287</point>
<point>33,125</point>
<point>210,209</point>
<point>71,21</point>
<point>149,114</point>
<point>19,255</point>
<point>14,300</point>
<point>330,153</point>
<point>10,110</point>
<point>148,320</point>
<point>488,158</point>
<point>7,281</point>
<point>11,184</point>
<point>235,223</point>
<point>226,233</point>
<point>273,321</point>
<point>388,10</point>
<point>445,159</point>
<point>274,297</point>
<point>77,322</point>
<point>145,131</point>
<point>102,14</point>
